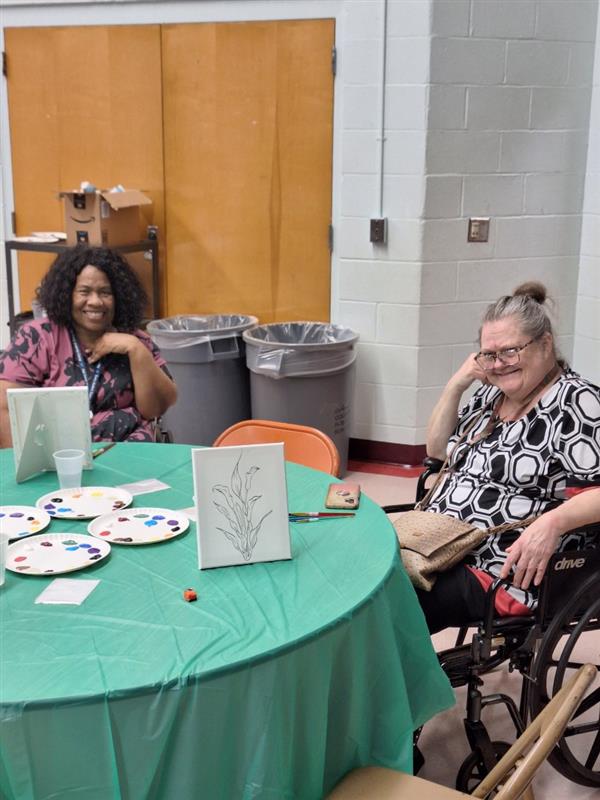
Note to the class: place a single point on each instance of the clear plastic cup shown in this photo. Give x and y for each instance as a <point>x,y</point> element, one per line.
<point>3,555</point>
<point>69,465</point>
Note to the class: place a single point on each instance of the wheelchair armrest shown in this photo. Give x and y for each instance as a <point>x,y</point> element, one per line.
<point>554,586</point>
<point>567,572</point>
<point>556,603</point>
<point>489,623</point>
<point>432,466</point>
<point>490,601</point>
<point>490,627</point>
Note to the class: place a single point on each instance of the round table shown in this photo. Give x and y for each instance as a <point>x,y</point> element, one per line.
<point>278,680</point>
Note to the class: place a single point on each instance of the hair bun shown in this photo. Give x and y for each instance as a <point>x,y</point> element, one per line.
<point>534,289</point>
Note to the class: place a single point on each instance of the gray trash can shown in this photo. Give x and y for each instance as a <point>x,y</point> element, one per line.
<point>303,372</point>
<point>205,355</point>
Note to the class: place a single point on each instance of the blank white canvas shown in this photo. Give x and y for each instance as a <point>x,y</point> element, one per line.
<point>241,505</point>
<point>46,419</point>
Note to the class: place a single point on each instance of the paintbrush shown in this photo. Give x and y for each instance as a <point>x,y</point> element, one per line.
<point>96,453</point>
<point>321,514</point>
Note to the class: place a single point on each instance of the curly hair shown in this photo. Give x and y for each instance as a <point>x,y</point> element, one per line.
<point>56,289</point>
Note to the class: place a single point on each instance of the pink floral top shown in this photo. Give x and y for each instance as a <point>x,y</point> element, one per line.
<point>41,354</point>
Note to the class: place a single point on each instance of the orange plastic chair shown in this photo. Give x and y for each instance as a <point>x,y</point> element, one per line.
<point>301,443</point>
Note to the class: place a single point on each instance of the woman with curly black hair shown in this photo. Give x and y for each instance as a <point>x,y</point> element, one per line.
<point>94,303</point>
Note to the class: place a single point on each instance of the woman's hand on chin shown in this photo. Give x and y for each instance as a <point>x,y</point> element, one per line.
<point>112,342</point>
<point>468,373</point>
<point>530,554</point>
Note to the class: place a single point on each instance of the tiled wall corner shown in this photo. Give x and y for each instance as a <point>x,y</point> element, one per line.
<point>377,288</point>
<point>360,317</point>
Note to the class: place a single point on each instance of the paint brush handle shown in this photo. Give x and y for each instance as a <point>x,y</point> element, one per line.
<point>293,518</point>
<point>321,514</point>
<point>96,453</point>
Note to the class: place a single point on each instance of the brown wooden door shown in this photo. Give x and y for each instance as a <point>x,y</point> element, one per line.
<point>246,176</point>
<point>84,104</point>
<point>248,147</point>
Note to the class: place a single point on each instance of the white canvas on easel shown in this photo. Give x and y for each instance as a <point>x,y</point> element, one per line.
<point>43,420</point>
<point>241,505</point>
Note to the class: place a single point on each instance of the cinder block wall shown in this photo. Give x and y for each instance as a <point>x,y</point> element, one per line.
<point>586,356</point>
<point>377,289</point>
<point>507,138</point>
<point>487,114</point>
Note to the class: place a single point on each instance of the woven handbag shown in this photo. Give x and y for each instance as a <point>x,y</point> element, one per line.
<point>431,542</point>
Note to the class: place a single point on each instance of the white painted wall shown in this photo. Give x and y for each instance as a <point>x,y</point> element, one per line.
<point>507,103</point>
<point>507,138</point>
<point>377,288</point>
<point>586,356</point>
<point>486,113</point>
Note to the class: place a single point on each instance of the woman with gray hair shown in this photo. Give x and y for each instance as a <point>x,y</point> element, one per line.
<point>533,429</point>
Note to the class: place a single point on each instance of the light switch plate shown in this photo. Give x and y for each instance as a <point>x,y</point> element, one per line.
<point>479,229</point>
<point>378,231</point>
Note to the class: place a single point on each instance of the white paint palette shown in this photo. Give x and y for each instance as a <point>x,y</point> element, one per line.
<point>54,553</point>
<point>20,521</point>
<point>139,526</point>
<point>84,502</point>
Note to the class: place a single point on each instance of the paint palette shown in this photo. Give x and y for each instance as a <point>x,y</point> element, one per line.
<point>20,521</point>
<point>85,502</point>
<point>139,526</point>
<point>54,553</point>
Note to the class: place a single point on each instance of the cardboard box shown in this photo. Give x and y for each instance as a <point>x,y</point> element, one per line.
<point>103,217</point>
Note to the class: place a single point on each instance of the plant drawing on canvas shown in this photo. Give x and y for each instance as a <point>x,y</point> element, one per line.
<point>238,509</point>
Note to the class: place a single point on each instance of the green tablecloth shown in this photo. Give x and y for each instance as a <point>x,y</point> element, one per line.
<point>281,678</point>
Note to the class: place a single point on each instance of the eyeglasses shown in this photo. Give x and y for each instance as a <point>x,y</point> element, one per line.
<point>508,357</point>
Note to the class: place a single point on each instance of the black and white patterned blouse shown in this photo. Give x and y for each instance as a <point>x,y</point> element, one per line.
<point>523,467</point>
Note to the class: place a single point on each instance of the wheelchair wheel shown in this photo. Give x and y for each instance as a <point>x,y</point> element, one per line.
<point>571,640</point>
<point>472,771</point>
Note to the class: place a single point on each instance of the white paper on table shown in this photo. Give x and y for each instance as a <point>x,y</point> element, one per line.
<point>143,487</point>
<point>191,513</point>
<point>67,591</point>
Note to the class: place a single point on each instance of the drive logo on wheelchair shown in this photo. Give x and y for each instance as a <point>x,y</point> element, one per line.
<point>569,563</point>
<point>558,583</point>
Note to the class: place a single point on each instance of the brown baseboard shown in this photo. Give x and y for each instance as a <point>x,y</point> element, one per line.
<point>386,452</point>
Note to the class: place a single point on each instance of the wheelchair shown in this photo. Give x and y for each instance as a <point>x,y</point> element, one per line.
<point>543,648</point>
